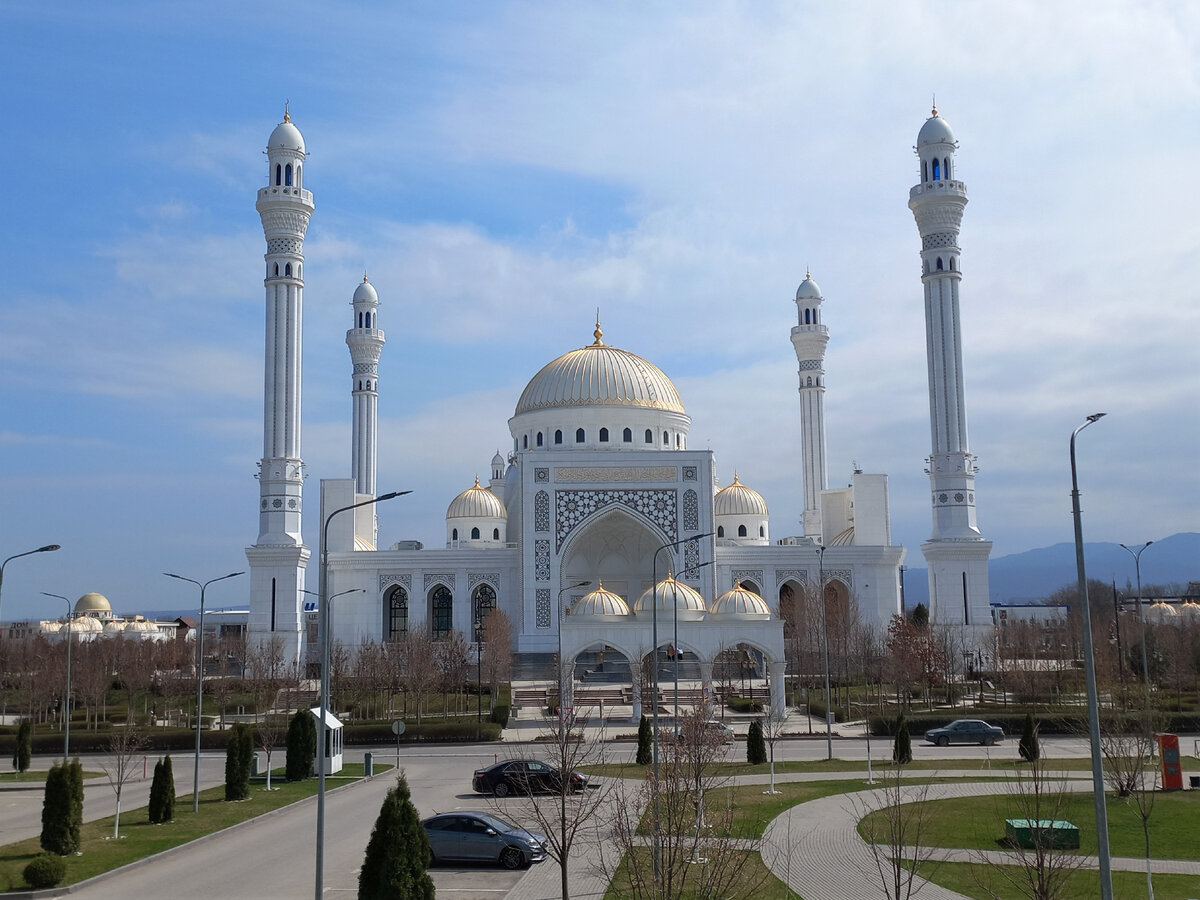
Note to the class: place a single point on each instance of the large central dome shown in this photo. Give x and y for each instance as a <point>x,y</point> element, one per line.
<point>599,375</point>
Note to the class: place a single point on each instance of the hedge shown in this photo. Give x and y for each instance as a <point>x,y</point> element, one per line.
<point>1014,723</point>
<point>425,733</point>
<point>744,705</point>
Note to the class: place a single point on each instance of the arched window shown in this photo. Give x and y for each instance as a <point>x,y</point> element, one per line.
<point>808,317</point>
<point>558,435</point>
<point>937,170</point>
<point>946,167</point>
<point>495,534</point>
<point>939,264</point>
<point>287,270</point>
<point>678,441</point>
<point>360,385</point>
<point>579,435</point>
<point>287,175</point>
<point>924,170</point>
<point>278,173</point>
<point>276,270</point>
<point>524,442</point>
<point>454,535</point>
<point>952,264</point>
<point>666,439</point>
<point>627,435</point>
<point>298,184</point>
<point>483,602</point>
<point>809,384</point>
<point>604,435</point>
<point>649,436</point>
<point>397,607</point>
<point>360,320</point>
<point>720,531</point>
<point>741,531</point>
<point>762,532</point>
<point>441,609</point>
<point>474,534</point>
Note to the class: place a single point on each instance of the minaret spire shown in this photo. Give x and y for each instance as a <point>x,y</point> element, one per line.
<point>365,340</point>
<point>956,551</point>
<point>809,337</point>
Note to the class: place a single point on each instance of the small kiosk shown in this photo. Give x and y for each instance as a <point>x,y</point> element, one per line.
<point>329,751</point>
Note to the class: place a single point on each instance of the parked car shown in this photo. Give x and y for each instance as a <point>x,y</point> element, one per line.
<point>482,837</point>
<point>965,731</point>
<point>523,776</point>
<point>719,731</point>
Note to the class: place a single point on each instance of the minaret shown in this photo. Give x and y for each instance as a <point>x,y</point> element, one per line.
<point>809,338</point>
<point>278,558</point>
<point>956,552</point>
<point>365,341</point>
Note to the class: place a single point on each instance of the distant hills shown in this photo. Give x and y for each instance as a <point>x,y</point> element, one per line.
<point>1035,574</point>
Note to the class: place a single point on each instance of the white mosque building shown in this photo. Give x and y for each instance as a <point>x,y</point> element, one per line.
<point>600,518</point>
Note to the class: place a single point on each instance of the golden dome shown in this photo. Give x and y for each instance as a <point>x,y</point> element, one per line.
<point>740,603</point>
<point>476,503</point>
<point>600,603</point>
<point>599,375</point>
<point>92,603</point>
<point>739,500</point>
<point>671,595</point>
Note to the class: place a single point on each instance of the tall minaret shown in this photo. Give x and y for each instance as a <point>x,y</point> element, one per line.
<point>809,338</point>
<point>956,553</point>
<point>278,558</point>
<point>365,341</point>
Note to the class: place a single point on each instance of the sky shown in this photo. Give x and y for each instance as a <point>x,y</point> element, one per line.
<point>504,170</point>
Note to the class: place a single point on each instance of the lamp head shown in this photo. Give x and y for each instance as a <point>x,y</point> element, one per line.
<point>383,497</point>
<point>1095,417</point>
<point>48,547</point>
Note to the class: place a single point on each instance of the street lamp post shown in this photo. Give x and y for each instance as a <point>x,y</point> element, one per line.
<point>45,549</point>
<point>67,696</point>
<point>1089,665</point>
<point>675,611</point>
<point>1137,565</point>
<point>323,627</point>
<point>199,677</point>
<point>825,643</point>
<point>478,674</point>
<point>654,681</point>
<point>559,610</point>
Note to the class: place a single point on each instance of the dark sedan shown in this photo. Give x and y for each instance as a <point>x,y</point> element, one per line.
<point>523,776</point>
<point>482,837</point>
<point>965,731</point>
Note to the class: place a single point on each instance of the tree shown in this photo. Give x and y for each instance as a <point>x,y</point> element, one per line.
<point>645,737</point>
<point>301,746</point>
<point>902,747</point>
<point>453,657</point>
<point>238,756</point>
<point>919,617</point>
<point>24,752</point>
<point>756,747</point>
<point>1127,746</point>
<point>894,821</point>
<point>267,674</point>
<point>1029,748</point>
<point>772,729</point>
<point>397,853</point>
<point>162,792</point>
<point>57,834</point>
<point>119,765</point>
<point>420,666</point>
<point>497,650</point>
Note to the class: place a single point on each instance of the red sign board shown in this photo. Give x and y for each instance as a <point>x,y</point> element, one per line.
<point>1168,752</point>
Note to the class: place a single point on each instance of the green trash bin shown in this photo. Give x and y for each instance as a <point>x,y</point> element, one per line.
<point>368,764</point>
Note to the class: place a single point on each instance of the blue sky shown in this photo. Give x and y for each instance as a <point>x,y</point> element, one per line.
<point>501,170</point>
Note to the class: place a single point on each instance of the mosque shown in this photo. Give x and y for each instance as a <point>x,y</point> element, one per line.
<point>600,528</point>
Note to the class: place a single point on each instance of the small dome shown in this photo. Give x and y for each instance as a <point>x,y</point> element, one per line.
<point>1162,610</point>
<point>476,503</point>
<point>114,627</point>
<point>1190,611</point>
<point>365,292</point>
<point>86,623</point>
<point>497,460</point>
<point>740,603</point>
<point>92,603</point>
<point>808,290</point>
<point>739,500</point>
<point>600,603</point>
<point>599,375</point>
<point>286,136</point>
<point>671,595</point>
<point>936,130</point>
<point>361,544</point>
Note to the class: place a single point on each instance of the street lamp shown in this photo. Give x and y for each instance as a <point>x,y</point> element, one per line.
<point>825,642</point>
<point>675,611</point>
<point>199,677</point>
<point>323,618</point>
<point>1137,564</point>
<point>67,695</point>
<point>45,549</point>
<point>1089,666</point>
<point>478,673</point>
<point>654,679</point>
<point>559,606</point>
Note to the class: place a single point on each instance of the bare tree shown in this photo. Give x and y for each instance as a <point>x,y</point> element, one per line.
<point>453,656</point>
<point>1128,744</point>
<point>125,745</point>
<point>266,674</point>
<point>420,666</point>
<point>497,650</point>
<point>895,818</point>
<point>772,728</point>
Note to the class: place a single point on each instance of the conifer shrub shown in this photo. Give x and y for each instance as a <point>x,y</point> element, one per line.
<point>902,747</point>
<point>756,746</point>
<point>645,738</point>
<point>24,752</point>
<point>238,757</point>
<point>56,834</point>
<point>301,746</point>
<point>398,852</point>
<point>1029,747</point>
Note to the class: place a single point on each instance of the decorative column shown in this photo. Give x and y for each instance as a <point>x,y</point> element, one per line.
<point>365,340</point>
<point>776,669</point>
<point>809,339</point>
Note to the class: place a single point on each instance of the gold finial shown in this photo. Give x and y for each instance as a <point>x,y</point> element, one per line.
<point>735,479</point>
<point>287,116</point>
<point>807,274</point>
<point>598,334</point>
<point>476,481</point>
<point>935,105</point>
<point>737,584</point>
<point>364,276</point>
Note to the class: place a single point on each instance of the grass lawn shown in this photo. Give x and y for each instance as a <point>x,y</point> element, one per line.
<point>978,823</point>
<point>38,776</point>
<point>1081,885</point>
<point>754,881</point>
<point>140,839</point>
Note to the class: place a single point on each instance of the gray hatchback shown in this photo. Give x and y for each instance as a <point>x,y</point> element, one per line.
<point>482,837</point>
<point>965,731</point>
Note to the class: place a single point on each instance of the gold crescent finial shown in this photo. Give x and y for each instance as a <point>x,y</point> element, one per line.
<point>735,479</point>
<point>598,334</point>
<point>287,116</point>
<point>476,481</point>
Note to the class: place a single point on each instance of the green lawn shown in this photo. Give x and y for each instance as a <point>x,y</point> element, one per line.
<point>38,776</point>
<point>966,878</point>
<point>977,823</point>
<point>754,882</point>
<point>140,839</point>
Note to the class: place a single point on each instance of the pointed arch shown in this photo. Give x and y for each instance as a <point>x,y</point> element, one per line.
<point>441,611</point>
<point>396,605</point>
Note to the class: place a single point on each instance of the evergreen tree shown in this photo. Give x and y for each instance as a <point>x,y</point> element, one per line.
<point>238,755</point>
<point>1028,748</point>
<point>919,616</point>
<point>645,737</point>
<point>74,776</point>
<point>398,852</point>
<point>154,807</point>
<point>756,746</point>
<point>56,813</point>
<point>24,752</point>
<point>301,746</point>
<point>162,792</point>
<point>902,748</point>
<point>168,807</point>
